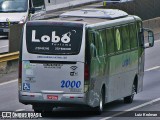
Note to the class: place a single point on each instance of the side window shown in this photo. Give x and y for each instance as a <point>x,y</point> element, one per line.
<point>110,41</point>
<point>133,36</point>
<point>125,37</point>
<point>38,4</point>
<point>102,42</point>
<point>30,4</point>
<point>140,33</point>
<point>97,43</point>
<point>118,40</point>
<point>91,38</point>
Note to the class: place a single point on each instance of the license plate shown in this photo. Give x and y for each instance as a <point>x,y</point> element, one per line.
<point>5,30</point>
<point>51,65</point>
<point>52,97</point>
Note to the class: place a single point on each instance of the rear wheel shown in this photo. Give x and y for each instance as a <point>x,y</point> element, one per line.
<point>44,110</point>
<point>100,108</point>
<point>129,99</point>
<point>44,113</point>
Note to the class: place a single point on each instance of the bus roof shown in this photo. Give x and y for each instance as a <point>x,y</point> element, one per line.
<point>96,13</point>
<point>95,17</point>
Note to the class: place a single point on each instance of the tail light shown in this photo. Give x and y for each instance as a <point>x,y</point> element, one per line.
<point>20,75</point>
<point>86,72</point>
<point>86,77</point>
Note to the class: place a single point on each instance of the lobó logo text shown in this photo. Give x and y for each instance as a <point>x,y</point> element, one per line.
<point>54,39</point>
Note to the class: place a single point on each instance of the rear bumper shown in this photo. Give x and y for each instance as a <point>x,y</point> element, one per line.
<point>63,99</point>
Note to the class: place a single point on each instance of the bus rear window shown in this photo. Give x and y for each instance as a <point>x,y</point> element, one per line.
<point>54,39</point>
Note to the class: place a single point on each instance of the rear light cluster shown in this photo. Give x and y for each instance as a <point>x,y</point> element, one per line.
<point>86,77</point>
<point>20,75</point>
<point>86,72</point>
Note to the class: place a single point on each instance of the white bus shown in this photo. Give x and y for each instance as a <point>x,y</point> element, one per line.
<point>86,57</point>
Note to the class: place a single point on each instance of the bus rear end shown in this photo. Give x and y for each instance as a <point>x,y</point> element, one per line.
<point>52,65</point>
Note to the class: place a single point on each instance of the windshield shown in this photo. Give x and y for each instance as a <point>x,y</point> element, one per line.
<point>13,5</point>
<point>54,38</point>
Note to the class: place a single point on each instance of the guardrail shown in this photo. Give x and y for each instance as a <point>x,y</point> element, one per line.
<point>9,57</point>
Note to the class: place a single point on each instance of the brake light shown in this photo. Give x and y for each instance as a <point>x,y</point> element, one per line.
<point>86,72</point>
<point>20,70</point>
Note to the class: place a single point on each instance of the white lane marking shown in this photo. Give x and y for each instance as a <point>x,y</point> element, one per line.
<point>131,109</point>
<point>4,46</point>
<point>19,110</point>
<point>157,41</point>
<point>5,83</point>
<point>153,68</point>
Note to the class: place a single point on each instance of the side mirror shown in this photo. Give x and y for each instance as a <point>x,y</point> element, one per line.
<point>32,10</point>
<point>150,38</point>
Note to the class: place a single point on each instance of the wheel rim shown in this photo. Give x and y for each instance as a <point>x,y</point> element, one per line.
<point>101,103</point>
<point>133,90</point>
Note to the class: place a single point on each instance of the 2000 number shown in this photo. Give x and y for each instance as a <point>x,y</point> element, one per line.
<point>70,84</point>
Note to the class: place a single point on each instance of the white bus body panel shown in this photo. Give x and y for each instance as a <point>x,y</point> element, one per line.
<point>53,77</point>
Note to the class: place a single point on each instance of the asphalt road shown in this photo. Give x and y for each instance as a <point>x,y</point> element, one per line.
<point>148,100</point>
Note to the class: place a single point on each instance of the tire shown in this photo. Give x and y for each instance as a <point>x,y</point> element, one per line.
<point>129,99</point>
<point>44,111</point>
<point>100,107</point>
